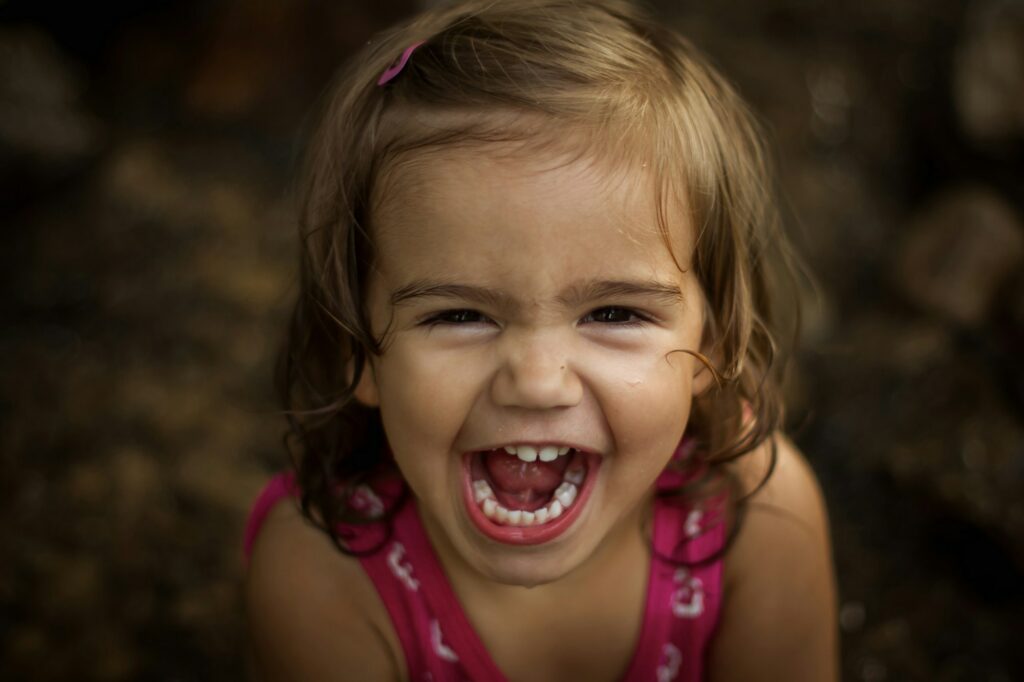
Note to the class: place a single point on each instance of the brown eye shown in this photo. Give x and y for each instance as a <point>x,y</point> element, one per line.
<point>614,315</point>
<point>461,316</point>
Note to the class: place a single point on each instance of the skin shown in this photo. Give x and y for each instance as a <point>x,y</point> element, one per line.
<point>500,281</point>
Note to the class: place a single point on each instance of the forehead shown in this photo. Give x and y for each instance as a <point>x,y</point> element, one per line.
<point>474,207</point>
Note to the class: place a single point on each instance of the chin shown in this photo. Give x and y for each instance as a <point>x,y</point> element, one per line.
<point>530,568</point>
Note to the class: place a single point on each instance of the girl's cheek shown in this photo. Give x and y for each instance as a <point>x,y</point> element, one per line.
<point>646,372</point>
<point>644,396</point>
<point>427,390</point>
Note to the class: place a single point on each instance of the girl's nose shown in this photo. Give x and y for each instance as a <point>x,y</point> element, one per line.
<point>536,376</point>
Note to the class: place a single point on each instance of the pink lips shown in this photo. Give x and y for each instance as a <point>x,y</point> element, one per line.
<point>527,535</point>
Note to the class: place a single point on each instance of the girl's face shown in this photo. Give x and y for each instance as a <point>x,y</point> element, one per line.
<point>530,303</point>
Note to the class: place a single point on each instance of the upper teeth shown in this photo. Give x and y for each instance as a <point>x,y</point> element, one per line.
<point>531,453</point>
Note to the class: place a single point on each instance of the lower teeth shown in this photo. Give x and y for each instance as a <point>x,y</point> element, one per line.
<point>563,498</point>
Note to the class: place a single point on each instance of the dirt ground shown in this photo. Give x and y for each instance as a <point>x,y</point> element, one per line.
<point>147,154</point>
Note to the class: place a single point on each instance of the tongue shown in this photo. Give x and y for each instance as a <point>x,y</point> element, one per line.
<point>512,475</point>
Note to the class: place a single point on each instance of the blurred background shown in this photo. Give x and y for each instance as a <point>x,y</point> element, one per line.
<point>147,156</point>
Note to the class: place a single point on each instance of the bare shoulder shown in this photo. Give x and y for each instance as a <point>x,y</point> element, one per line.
<point>779,620</point>
<point>313,612</point>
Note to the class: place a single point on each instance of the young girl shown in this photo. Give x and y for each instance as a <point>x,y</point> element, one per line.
<point>530,372</point>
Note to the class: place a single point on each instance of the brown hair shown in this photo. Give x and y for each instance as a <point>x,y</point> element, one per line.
<point>598,77</point>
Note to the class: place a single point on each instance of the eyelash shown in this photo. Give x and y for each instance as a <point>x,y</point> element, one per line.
<point>638,318</point>
<point>447,317</point>
<point>457,317</point>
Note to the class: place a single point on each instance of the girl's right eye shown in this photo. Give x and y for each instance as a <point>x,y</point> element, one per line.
<point>455,317</point>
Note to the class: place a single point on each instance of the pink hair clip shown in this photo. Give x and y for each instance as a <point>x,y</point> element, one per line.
<point>397,67</point>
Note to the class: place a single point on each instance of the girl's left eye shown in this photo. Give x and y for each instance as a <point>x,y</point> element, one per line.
<point>455,317</point>
<point>615,315</point>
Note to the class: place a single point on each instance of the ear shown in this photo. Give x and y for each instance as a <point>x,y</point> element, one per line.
<point>366,391</point>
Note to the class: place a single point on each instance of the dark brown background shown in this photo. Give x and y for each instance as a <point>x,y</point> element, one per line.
<point>146,158</point>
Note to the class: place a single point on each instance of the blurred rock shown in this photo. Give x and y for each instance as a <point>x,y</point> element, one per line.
<point>44,127</point>
<point>898,345</point>
<point>138,175</point>
<point>840,220</point>
<point>852,616</point>
<point>220,481</point>
<point>915,404</point>
<point>1009,338</point>
<point>117,659</point>
<point>831,98</point>
<point>268,60</point>
<point>988,75</point>
<point>873,670</point>
<point>957,252</point>
<point>88,484</point>
<point>27,647</point>
<point>1013,304</point>
<point>75,589</point>
<point>138,484</point>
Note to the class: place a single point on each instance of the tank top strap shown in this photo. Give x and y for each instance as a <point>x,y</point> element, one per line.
<point>443,643</point>
<point>437,641</point>
<point>398,576</point>
<point>687,589</point>
<point>684,592</point>
<point>277,488</point>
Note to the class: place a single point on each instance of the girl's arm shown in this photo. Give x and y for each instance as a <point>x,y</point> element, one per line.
<point>313,613</point>
<point>779,615</point>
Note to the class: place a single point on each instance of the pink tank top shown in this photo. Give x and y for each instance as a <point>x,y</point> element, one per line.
<point>441,645</point>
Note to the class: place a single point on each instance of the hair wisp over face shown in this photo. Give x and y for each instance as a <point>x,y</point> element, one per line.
<point>591,79</point>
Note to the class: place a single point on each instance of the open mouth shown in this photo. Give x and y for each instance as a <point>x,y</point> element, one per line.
<point>527,494</point>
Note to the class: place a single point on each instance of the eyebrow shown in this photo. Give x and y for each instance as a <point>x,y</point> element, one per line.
<point>578,294</point>
<point>573,296</point>
<point>427,289</point>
